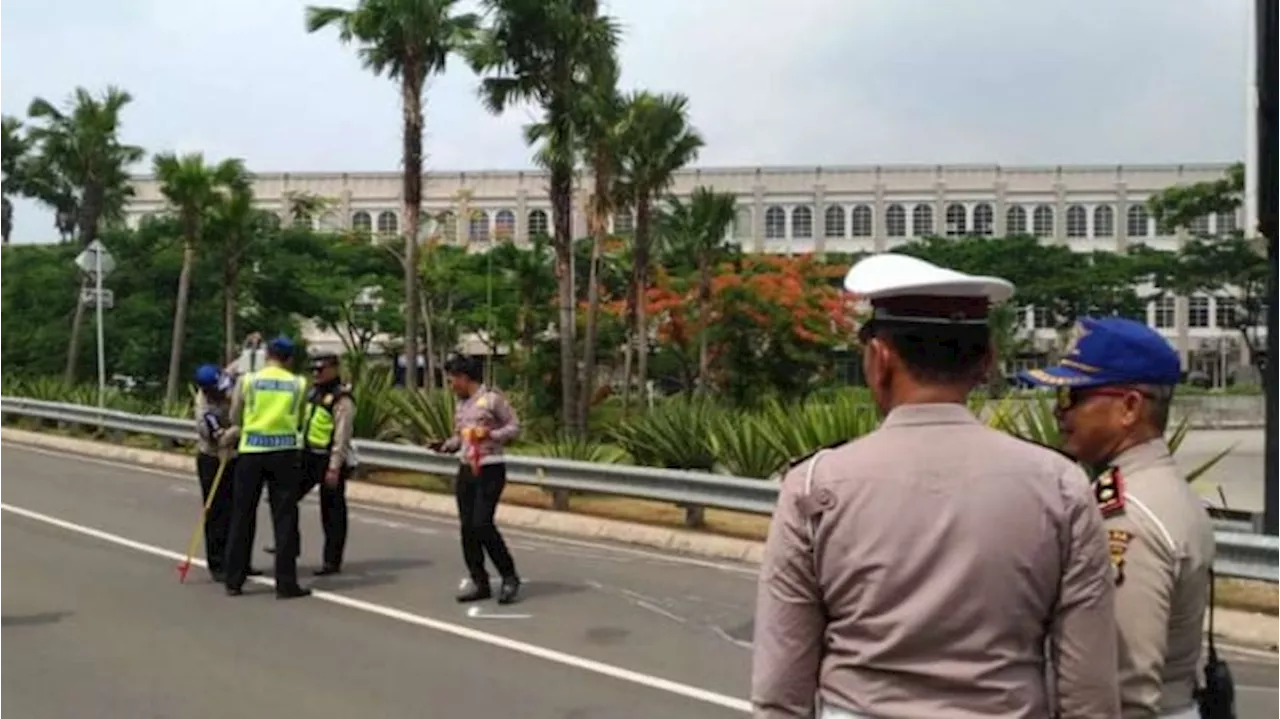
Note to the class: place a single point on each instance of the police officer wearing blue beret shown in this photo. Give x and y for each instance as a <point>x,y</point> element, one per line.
<point>267,406</point>
<point>215,451</point>
<point>1115,384</point>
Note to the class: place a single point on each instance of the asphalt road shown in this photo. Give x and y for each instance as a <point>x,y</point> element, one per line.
<point>96,624</point>
<point>1239,474</point>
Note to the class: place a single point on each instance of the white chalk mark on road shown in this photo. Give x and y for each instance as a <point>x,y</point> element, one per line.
<point>476,612</point>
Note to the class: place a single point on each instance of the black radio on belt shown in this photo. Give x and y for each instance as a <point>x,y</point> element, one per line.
<point>1217,698</point>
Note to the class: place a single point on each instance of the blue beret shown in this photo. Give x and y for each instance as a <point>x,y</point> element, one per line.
<point>1109,351</point>
<point>282,346</point>
<point>208,375</point>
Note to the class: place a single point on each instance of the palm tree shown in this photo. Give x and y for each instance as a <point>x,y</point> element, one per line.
<point>13,159</point>
<point>657,140</point>
<point>409,40</point>
<point>81,171</point>
<point>543,51</point>
<point>193,189</point>
<point>697,230</point>
<point>234,224</point>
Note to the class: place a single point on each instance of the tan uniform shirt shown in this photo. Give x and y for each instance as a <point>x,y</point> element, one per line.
<point>1162,545</point>
<point>223,445</point>
<point>343,452</point>
<point>946,555</point>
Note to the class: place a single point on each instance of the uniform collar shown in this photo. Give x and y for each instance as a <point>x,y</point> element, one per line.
<point>915,415</point>
<point>1141,456</point>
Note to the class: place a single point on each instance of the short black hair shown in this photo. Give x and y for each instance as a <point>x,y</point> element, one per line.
<point>469,367</point>
<point>939,354</point>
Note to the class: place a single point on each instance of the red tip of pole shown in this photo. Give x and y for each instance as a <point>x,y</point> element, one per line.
<point>183,568</point>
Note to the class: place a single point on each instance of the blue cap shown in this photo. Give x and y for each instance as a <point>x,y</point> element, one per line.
<point>208,375</point>
<point>1112,350</point>
<point>281,346</point>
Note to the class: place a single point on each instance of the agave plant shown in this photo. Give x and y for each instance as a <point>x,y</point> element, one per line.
<point>743,447</point>
<point>423,416</point>
<point>798,431</point>
<point>375,411</point>
<point>675,434</point>
<point>581,449</point>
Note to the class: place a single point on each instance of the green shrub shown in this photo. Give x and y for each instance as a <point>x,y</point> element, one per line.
<point>675,434</point>
<point>423,416</point>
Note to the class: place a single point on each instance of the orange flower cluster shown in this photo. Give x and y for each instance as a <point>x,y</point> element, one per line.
<point>798,295</point>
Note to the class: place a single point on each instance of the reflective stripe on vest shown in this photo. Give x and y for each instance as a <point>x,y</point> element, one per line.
<point>272,400</point>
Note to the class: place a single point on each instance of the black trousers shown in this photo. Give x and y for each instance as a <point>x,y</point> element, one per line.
<point>477,501</point>
<point>282,475</point>
<point>217,520</point>
<point>333,505</point>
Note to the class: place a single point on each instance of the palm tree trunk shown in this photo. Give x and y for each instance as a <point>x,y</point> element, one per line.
<point>411,101</point>
<point>561,206</point>
<point>640,274</point>
<point>589,350</point>
<point>704,322</point>
<point>230,292</point>
<point>628,352</point>
<point>180,317</point>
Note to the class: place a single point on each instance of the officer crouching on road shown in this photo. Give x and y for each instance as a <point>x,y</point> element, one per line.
<point>920,570</point>
<point>1115,385</point>
<point>483,422</point>
<point>267,406</point>
<point>328,457</point>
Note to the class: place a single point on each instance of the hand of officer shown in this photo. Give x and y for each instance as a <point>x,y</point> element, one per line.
<point>479,432</point>
<point>331,476</point>
<point>436,446</point>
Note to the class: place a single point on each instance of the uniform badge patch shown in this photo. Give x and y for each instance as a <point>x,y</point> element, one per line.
<point>1117,545</point>
<point>1109,491</point>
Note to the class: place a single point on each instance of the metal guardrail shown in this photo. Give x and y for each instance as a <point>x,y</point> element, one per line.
<point>1240,553</point>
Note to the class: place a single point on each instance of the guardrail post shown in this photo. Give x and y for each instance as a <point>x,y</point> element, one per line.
<point>559,499</point>
<point>694,515</point>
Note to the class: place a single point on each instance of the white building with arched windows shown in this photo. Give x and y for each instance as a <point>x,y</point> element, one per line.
<point>817,209</point>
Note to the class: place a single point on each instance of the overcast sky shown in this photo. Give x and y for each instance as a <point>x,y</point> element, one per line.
<point>770,82</point>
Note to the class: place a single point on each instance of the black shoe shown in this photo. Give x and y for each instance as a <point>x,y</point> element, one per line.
<point>327,570</point>
<point>510,590</point>
<point>234,591</point>
<point>254,572</point>
<point>475,592</point>
<point>293,592</point>
<point>269,550</point>
<point>218,576</point>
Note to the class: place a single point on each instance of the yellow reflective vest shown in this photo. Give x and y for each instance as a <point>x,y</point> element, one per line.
<point>273,399</point>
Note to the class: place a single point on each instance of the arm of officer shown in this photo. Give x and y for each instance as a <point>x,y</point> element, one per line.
<point>204,428</point>
<point>1144,594</point>
<point>236,413</point>
<point>344,414</point>
<point>509,424</point>
<point>789,626</point>
<point>1084,625</point>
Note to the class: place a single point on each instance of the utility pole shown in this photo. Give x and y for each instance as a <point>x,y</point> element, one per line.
<point>1264,155</point>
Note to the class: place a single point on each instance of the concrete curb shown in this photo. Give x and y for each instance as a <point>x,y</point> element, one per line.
<point>1239,628</point>
<point>684,541</point>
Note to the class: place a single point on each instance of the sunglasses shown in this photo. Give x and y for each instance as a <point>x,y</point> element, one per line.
<point>1069,397</point>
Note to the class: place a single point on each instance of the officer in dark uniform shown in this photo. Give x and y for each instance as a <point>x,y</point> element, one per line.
<point>328,457</point>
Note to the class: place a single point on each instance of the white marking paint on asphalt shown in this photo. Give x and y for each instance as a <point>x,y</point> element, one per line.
<point>720,632</point>
<point>744,571</point>
<point>476,612</point>
<point>495,640</point>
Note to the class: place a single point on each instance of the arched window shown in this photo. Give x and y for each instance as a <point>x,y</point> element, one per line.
<point>861,224</point>
<point>1077,222</point>
<point>984,220</point>
<point>504,224</point>
<point>538,223</point>
<point>447,225</point>
<point>1200,227</point>
<point>775,223</point>
<point>895,220</point>
<point>1104,221</point>
<point>478,227</point>
<point>388,223</point>
<point>361,221</point>
<point>922,221</point>
<point>1015,220</point>
<point>834,222</point>
<point>1042,221</point>
<point>802,222</point>
<point>1138,224</point>
<point>956,220</point>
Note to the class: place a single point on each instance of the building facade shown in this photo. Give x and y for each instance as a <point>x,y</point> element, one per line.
<point>817,209</point>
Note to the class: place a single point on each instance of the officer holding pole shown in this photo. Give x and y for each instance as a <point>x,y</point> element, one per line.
<point>267,407</point>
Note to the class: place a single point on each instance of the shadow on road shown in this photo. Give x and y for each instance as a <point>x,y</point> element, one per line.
<point>34,620</point>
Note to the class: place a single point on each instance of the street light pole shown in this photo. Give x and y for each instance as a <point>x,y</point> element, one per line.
<point>102,362</point>
<point>1266,158</point>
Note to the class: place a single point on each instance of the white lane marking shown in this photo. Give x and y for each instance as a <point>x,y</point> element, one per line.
<point>743,571</point>
<point>720,632</point>
<point>476,612</point>
<point>533,650</point>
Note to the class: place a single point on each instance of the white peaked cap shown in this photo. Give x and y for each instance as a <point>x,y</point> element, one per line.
<point>888,275</point>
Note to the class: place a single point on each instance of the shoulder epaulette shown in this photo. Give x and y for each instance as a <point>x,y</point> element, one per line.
<point>1108,488</point>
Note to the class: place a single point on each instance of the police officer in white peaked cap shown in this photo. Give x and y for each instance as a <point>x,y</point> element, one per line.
<point>935,567</point>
